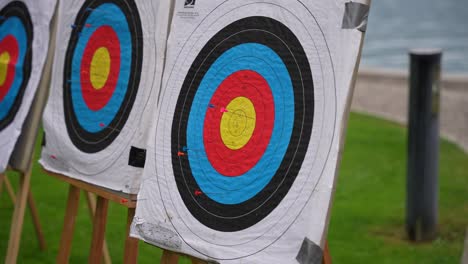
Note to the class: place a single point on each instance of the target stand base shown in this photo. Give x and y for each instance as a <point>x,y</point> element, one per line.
<point>98,210</point>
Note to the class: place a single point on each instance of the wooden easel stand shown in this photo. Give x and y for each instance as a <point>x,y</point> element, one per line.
<point>99,224</point>
<point>97,250</point>
<point>91,200</point>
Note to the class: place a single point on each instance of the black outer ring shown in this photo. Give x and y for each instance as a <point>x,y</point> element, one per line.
<point>275,35</point>
<point>95,142</point>
<point>20,10</point>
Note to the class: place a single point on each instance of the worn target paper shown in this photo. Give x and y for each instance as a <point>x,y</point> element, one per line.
<point>24,40</point>
<point>105,83</point>
<point>243,151</point>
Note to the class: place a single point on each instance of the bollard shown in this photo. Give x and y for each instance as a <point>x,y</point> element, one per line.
<point>423,145</point>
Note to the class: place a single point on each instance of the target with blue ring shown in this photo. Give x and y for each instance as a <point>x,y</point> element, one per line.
<point>102,72</point>
<point>16,36</point>
<point>242,123</point>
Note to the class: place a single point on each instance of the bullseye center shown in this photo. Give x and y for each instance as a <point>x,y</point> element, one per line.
<point>4,62</point>
<point>238,123</point>
<point>100,68</point>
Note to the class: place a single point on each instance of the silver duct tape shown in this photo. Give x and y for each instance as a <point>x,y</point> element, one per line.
<point>159,236</point>
<point>355,16</point>
<point>310,253</point>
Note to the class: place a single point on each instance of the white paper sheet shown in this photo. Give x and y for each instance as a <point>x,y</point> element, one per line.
<point>105,83</point>
<point>24,31</point>
<point>243,150</point>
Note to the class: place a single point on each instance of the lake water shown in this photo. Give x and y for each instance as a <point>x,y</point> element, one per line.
<point>395,26</point>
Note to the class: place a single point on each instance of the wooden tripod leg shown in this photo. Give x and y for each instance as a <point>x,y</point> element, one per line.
<point>69,224</point>
<point>169,257</point>
<point>10,190</point>
<point>91,200</point>
<point>131,244</point>
<point>99,230</point>
<point>32,207</point>
<point>197,261</point>
<point>36,221</point>
<point>326,255</point>
<point>2,178</point>
<point>18,217</point>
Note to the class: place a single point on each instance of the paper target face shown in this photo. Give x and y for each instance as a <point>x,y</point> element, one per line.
<point>252,126</point>
<point>16,36</point>
<point>105,85</point>
<point>249,103</point>
<point>24,45</point>
<point>102,72</point>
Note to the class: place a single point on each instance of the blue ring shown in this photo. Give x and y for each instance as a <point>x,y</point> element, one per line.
<point>264,61</point>
<point>14,26</point>
<point>105,15</point>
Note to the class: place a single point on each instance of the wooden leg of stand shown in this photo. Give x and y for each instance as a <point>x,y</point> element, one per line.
<point>2,179</point>
<point>10,190</point>
<point>91,200</point>
<point>18,217</point>
<point>99,230</point>
<point>69,224</point>
<point>32,207</point>
<point>197,261</point>
<point>326,255</point>
<point>169,257</point>
<point>131,244</point>
<point>36,221</point>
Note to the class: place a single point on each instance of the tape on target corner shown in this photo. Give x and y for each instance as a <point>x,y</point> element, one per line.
<point>137,157</point>
<point>156,234</point>
<point>355,16</point>
<point>310,253</point>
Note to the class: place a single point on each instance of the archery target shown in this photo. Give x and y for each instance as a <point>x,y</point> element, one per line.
<point>105,82</point>
<point>102,72</point>
<point>24,36</point>
<point>16,36</point>
<point>245,127</point>
<point>259,164</point>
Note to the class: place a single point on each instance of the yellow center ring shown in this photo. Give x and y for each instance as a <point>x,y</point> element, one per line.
<point>238,123</point>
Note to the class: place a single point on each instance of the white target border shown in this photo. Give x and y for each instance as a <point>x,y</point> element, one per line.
<point>200,238</point>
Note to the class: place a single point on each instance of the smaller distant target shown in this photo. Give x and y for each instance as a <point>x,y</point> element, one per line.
<point>102,72</point>
<point>16,36</point>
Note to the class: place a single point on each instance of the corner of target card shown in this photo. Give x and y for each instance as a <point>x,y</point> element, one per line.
<point>156,234</point>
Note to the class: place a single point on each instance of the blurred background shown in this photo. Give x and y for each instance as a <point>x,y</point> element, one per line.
<point>398,25</point>
<point>370,206</point>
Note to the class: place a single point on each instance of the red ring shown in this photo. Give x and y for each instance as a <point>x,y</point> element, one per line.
<point>249,84</point>
<point>106,37</point>
<point>10,45</point>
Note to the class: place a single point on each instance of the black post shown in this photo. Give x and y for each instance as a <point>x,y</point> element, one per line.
<point>423,144</point>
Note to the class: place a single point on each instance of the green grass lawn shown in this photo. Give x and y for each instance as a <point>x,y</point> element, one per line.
<point>367,224</point>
